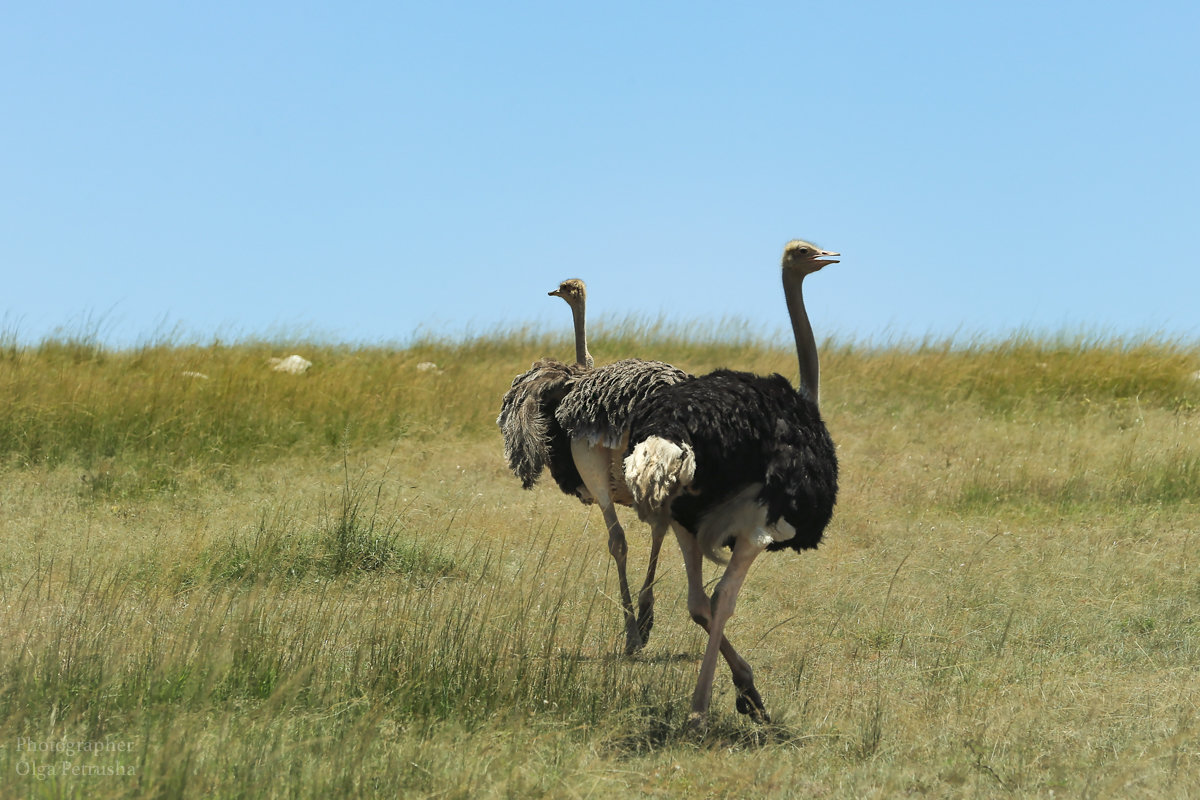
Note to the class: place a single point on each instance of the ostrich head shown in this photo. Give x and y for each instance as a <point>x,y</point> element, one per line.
<point>572,290</point>
<point>805,258</point>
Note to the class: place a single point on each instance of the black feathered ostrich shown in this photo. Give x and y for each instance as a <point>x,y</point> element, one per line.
<point>732,459</point>
<point>575,420</point>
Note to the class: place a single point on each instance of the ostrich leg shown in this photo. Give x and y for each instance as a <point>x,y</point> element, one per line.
<point>712,616</point>
<point>593,465</point>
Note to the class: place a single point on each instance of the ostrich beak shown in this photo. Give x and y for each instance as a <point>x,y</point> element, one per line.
<point>555,293</point>
<point>826,257</point>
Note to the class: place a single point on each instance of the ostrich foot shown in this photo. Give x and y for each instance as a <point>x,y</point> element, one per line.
<point>750,703</point>
<point>633,638</point>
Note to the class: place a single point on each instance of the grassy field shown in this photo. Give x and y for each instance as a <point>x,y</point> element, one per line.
<point>253,584</point>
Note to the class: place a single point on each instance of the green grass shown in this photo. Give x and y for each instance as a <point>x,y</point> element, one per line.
<point>266,585</point>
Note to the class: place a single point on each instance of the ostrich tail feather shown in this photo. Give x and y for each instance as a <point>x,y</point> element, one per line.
<point>657,471</point>
<point>527,413</point>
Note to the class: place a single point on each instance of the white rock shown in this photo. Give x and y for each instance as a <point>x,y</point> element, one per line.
<point>293,364</point>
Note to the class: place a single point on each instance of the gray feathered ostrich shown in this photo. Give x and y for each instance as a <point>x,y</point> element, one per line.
<point>737,460</point>
<point>575,420</point>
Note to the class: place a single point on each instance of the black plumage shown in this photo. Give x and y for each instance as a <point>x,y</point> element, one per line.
<point>747,429</point>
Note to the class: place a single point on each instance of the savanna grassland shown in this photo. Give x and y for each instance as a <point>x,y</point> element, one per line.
<point>243,583</point>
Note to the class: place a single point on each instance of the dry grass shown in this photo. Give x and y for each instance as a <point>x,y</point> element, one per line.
<point>327,585</point>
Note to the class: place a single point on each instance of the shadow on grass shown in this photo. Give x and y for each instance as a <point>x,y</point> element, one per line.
<point>665,726</point>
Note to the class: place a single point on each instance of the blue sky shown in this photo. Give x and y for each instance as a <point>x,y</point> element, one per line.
<point>364,171</point>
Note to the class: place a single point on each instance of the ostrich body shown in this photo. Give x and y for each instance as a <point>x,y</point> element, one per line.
<point>732,459</point>
<point>574,420</point>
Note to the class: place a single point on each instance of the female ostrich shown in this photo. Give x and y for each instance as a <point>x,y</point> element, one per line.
<point>737,460</point>
<point>574,420</point>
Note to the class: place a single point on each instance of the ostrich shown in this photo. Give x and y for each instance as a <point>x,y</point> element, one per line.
<point>574,419</point>
<point>732,459</point>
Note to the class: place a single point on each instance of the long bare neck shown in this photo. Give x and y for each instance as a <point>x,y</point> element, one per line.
<point>582,357</point>
<point>806,343</point>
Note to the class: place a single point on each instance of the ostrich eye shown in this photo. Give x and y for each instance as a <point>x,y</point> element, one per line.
<point>803,251</point>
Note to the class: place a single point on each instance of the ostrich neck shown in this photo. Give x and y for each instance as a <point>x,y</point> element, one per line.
<point>582,357</point>
<point>806,343</point>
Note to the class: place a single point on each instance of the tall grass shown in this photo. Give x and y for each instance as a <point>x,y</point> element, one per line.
<point>328,585</point>
<point>220,404</point>
<point>476,636</point>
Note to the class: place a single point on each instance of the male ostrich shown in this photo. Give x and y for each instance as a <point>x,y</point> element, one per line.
<point>737,460</point>
<point>575,420</point>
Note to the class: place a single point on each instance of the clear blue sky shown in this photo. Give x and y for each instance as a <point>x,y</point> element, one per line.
<point>363,171</point>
